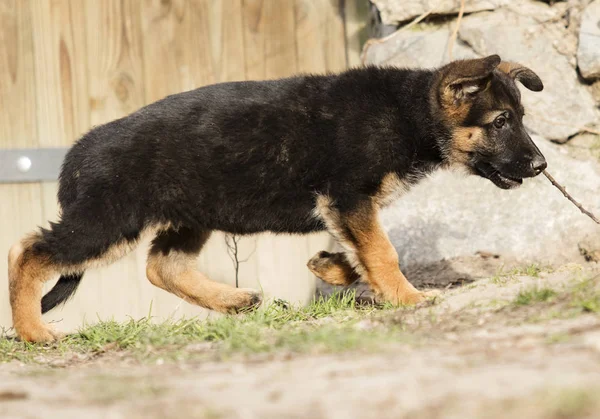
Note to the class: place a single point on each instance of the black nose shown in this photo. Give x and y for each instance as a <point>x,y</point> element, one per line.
<point>538,164</point>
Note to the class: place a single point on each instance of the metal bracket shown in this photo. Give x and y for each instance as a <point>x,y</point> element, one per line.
<point>31,164</point>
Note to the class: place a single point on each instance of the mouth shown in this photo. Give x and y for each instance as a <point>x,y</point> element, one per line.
<point>499,179</point>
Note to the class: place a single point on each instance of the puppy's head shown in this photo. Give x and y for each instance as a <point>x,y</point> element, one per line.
<point>480,104</point>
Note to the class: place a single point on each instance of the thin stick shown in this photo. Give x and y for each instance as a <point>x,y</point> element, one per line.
<point>232,249</point>
<point>570,198</point>
<point>456,28</point>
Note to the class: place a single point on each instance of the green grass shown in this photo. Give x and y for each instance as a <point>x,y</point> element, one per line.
<point>550,403</point>
<point>558,338</point>
<point>579,297</point>
<point>503,277</point>
<point>534,295</point>
<point>595,148</point>
<point>326,325</point>
<point>532,270</point>
<point>585,295</point>
<point>572,402</point>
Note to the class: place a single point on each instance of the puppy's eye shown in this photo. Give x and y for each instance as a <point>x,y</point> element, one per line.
<point>500,121</point>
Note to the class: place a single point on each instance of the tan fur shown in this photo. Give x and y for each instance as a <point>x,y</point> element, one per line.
<point>460,78</point>
<point>491,116</point>
<point>177,274</point>
<point>508,67</point>
<point>26,276</point>
<point>455,112</point>
<point>378,256</point>
<point>390,190</point>
<point>464,141</point>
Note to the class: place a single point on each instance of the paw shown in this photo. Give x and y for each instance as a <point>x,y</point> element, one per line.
<point>320,263</point>
<point>243,299</point>
<point>419,297</point>
<point>40,333</point>
<point>332,268</point>
<point>410,298</point>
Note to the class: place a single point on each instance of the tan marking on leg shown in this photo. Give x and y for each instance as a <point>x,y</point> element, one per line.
<point>391,188</point>
<point>176,273</point>
<point>380,259</point>
<point>333,268</point>
<point>27,273</point>
<point>377,260</point>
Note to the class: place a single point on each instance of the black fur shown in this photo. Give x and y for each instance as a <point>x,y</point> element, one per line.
<point>61,292</point>
<point>244,157</point>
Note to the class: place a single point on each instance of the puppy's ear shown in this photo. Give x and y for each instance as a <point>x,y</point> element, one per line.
<point>523,74</point>
<point>464,79</point>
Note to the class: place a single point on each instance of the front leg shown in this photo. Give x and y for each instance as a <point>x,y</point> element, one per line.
<point>368,249</point>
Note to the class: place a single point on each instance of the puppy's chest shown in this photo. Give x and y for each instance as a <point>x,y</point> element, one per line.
<point>390,189</point>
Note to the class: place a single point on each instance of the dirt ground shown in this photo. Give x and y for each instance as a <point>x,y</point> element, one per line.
<point>489,348</point>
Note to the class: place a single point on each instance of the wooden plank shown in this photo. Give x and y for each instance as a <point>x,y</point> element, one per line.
<point>188,44</point>
<point>225,39</point>
<point>114,57</point>
<point>17,82</point>
<point>320,36</point>
<point>269,39</point>
<point>60,71</point>
<point>19,207</point>
<point>176,55</point>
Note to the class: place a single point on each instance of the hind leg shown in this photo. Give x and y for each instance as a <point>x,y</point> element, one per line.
<point>67,247</point>
<point>172,267</point>
<point>28,269</point>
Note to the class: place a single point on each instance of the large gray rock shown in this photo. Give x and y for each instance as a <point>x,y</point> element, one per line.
<point>451,215</point>
<point>421,46</point>
<point>558,112</point>
<point>588,53</point>
<point>393,11</point>
<point>565,105</point>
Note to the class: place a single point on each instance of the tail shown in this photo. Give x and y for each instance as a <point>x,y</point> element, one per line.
<point>61,292</point>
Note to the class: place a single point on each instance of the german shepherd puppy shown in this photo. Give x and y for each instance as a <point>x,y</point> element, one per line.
<point>295,155</point>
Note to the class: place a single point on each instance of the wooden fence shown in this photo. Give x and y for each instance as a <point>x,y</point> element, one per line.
<point>67,65</point>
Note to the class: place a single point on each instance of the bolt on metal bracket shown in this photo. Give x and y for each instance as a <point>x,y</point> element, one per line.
<point>31,164</point>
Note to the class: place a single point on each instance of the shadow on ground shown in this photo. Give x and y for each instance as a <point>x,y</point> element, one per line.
<point>444,274</point>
